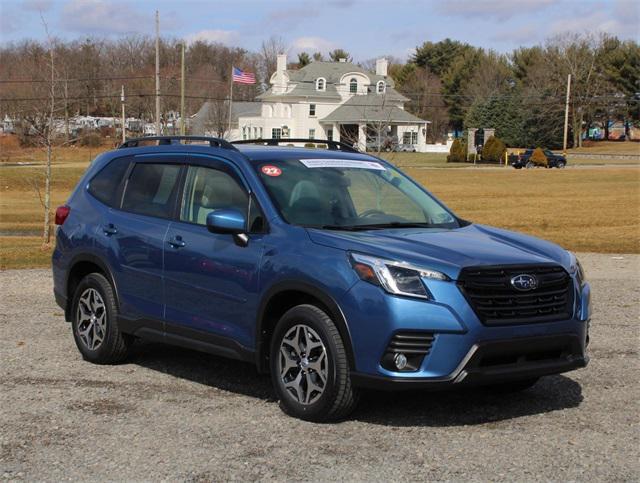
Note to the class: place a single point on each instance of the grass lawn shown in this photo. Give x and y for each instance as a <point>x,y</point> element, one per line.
<point>584,209</point>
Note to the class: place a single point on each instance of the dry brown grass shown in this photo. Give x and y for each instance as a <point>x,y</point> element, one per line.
<point>596,210</point>
<point>583,209</point>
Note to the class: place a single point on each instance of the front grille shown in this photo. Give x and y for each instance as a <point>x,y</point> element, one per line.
<point>496,302</point>
<point>414,345</point>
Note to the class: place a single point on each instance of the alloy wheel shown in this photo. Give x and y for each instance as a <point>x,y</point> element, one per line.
<point>303,364</point>
<point>92,319</point>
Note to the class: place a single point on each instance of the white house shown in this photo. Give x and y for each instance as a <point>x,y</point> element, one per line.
<point>330,100</point>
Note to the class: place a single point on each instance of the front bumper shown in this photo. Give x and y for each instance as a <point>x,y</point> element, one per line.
<point>464,350</point>
<point>495,362</point>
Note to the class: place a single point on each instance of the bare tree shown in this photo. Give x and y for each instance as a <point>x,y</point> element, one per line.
<point>48,139</point>
<point>269,52</point>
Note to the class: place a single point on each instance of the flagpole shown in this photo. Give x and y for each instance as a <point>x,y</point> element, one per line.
<point>230,101</point>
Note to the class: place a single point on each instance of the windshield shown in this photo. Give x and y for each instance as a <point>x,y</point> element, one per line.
<point>349,194</point>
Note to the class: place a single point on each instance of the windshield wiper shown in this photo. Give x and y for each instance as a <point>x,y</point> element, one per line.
<point>343,227</point>
<point>396,224</point>
<point>376,226</point>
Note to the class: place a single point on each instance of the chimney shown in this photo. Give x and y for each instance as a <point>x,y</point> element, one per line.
<point>382,66</point>
<point>282,63</point>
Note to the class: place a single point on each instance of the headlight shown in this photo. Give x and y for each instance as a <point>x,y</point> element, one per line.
<point>576,269</point>
<point>395,277</point>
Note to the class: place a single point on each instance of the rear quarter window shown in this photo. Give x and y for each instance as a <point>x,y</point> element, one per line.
<point>105,185</point>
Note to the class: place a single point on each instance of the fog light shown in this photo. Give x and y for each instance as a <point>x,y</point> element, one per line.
<point>400,361</point>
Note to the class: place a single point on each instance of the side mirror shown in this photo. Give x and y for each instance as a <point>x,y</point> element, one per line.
<point>228,221</point>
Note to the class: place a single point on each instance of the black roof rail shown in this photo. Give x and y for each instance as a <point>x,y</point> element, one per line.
<point>332,145</point>
<point>168,140</point>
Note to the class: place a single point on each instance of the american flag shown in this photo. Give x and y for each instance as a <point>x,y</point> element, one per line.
<point>242,77</point>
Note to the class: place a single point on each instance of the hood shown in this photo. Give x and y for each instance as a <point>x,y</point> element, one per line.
<point>447,251</point>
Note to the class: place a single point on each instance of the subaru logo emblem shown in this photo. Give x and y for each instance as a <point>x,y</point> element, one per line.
<point>524,282</point>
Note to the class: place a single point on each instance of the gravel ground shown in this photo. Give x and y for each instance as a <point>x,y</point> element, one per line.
<point>171,414</point>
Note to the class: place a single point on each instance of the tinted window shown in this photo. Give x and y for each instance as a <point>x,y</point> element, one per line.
<point>105,184</point>
<point>209,189</point>
<point>151,189</point>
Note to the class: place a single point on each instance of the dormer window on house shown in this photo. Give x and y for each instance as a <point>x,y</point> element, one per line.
<point>381,86</point>
<point>321,84</point>
<point>353,86</point>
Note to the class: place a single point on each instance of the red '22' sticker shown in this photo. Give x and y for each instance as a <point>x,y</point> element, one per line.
<point>271,170</point>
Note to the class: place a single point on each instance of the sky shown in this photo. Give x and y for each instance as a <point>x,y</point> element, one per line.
<point>365,28</point>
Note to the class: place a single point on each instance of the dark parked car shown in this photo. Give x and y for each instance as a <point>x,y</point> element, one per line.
<point>523,160</point>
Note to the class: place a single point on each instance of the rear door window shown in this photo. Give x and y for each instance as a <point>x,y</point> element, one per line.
<point>151,189</point>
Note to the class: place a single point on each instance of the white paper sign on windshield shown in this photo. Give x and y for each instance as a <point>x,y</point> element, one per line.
<point>342,163</point>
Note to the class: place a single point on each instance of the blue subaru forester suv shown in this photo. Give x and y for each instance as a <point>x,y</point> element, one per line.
<point>328,268</point>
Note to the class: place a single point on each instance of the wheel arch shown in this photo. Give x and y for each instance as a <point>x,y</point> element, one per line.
<point>80,267</point>
<point>284,296</point>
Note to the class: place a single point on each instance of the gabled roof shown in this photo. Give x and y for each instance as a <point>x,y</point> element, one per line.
<point>373,108</point>
<point>305,81</point>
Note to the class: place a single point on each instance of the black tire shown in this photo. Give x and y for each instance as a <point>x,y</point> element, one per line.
<point>529,165</point>
<point>339,397</point>
<point>512,386</point>
<point>560,165</point>
<point>115,345</point>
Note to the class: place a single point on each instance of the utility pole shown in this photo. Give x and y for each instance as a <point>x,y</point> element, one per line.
<point>158,74</point>
<point>566,117</point>
<point>230,101</point>
<point>182,128</point>
<point>124,137</point>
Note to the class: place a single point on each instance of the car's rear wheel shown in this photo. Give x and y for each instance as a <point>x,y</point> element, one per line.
<point>529,165</point>
<point>309,366</point>
<point>95,325</point>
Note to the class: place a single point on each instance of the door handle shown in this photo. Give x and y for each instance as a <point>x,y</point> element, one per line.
<point>109,229</point>
<point>177,242</point>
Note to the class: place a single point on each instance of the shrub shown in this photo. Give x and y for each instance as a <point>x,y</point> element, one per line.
<point>538,157</point>
<point>458,152</point>
<point>92,140</point>
<point>493,150</point>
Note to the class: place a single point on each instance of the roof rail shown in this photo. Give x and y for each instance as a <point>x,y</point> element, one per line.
<point>167,140</point>
<point>331,145</point>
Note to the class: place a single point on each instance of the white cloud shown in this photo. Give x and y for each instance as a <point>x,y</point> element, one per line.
<point>228,37</point>
<point>527,34</point>
<point>497,9</point>
<point>620,22</point>
<point>37,5</point>
<point>312,44</point>
<point>104,17</point>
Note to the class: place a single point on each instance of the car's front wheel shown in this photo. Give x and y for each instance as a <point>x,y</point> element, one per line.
<point>529,165</point>
<point>560,165</point>
<point>309,366</point>
<point>95,325</point>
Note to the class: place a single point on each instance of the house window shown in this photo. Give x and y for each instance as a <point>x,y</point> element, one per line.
<point>381,87</point>
<point>244,132</point>
<point>410,137</point>
<point>330,134</point>
<point>276,133</point>
<point>353,86</point>
<point>312,133</point>
<point>321,84</point>
<point>260,136</point>
<point>312,110</point>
